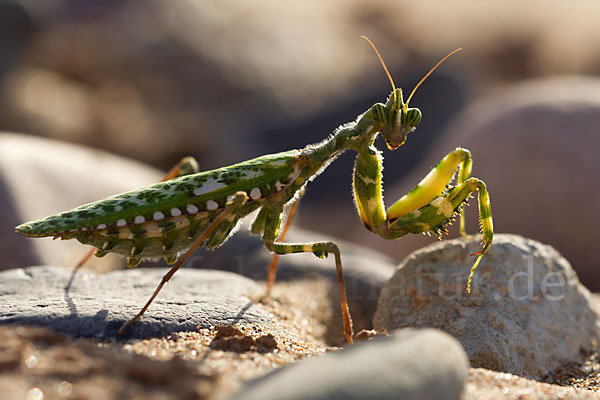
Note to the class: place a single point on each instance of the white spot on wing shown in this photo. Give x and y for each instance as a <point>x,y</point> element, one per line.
<point>121,222</point>
<point>279,186</point>
<point>118,208</point>
<point>251,174</point>
<point>175,212</point>
<point>158,216</point>
<point>209,186</point>
<point>255,193</point>
<point>278,163</point>
<point>212,205</point>
<point>139,220</point>
<point>192,209</point>
<point>101,226</point>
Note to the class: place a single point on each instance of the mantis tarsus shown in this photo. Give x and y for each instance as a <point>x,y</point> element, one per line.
<point>190,208</point>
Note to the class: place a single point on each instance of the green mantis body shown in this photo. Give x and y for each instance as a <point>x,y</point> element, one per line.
<point>203,208</point>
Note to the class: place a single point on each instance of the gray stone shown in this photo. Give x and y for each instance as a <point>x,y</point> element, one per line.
<point>40,177</point>
<point>97,305</point>
<point>527,313</point>
<point>410,364</point>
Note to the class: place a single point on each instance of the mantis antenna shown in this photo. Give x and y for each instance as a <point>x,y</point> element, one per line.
<point>426,76</point>
<point>382,63</point>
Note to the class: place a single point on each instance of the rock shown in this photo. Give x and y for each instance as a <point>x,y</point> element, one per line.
<point>535,144</point>
<point>40,177</point>
<point>410,364</point>
<point>97,305</point>
<point>527,313</point>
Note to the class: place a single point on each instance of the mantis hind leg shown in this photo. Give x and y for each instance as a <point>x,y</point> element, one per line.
<point>230,209</point>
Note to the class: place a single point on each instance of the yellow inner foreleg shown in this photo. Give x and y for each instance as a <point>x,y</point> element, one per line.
<point>433,184</point>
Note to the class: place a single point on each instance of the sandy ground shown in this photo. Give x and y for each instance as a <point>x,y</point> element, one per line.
<point>36,363</point>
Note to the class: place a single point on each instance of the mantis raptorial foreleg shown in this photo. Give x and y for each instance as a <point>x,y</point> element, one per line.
<point>434,183</point>
<point>429,207</point>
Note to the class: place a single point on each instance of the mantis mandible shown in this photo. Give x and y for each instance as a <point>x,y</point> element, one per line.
<point>189,208</point>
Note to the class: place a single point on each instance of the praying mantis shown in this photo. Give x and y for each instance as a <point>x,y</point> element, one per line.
<point>189,208</point>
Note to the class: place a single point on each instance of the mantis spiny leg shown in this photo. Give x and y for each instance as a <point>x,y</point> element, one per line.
<point>321,250</point>
<point>238,201</point>
<point>429,207</point>
<point>270,221</point>
<point>286,227</point>
<point>463,191</point>
<point>434,183</point>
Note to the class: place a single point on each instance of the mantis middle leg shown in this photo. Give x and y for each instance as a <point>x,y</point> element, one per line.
<point>270,220</point>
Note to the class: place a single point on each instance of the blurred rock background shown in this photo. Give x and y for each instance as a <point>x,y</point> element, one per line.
<point>231,80</point>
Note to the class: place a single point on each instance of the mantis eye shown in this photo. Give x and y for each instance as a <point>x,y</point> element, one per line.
<point>413,117</point>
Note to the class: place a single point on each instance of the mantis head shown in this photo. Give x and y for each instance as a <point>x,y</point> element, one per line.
<point>400,120</point>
